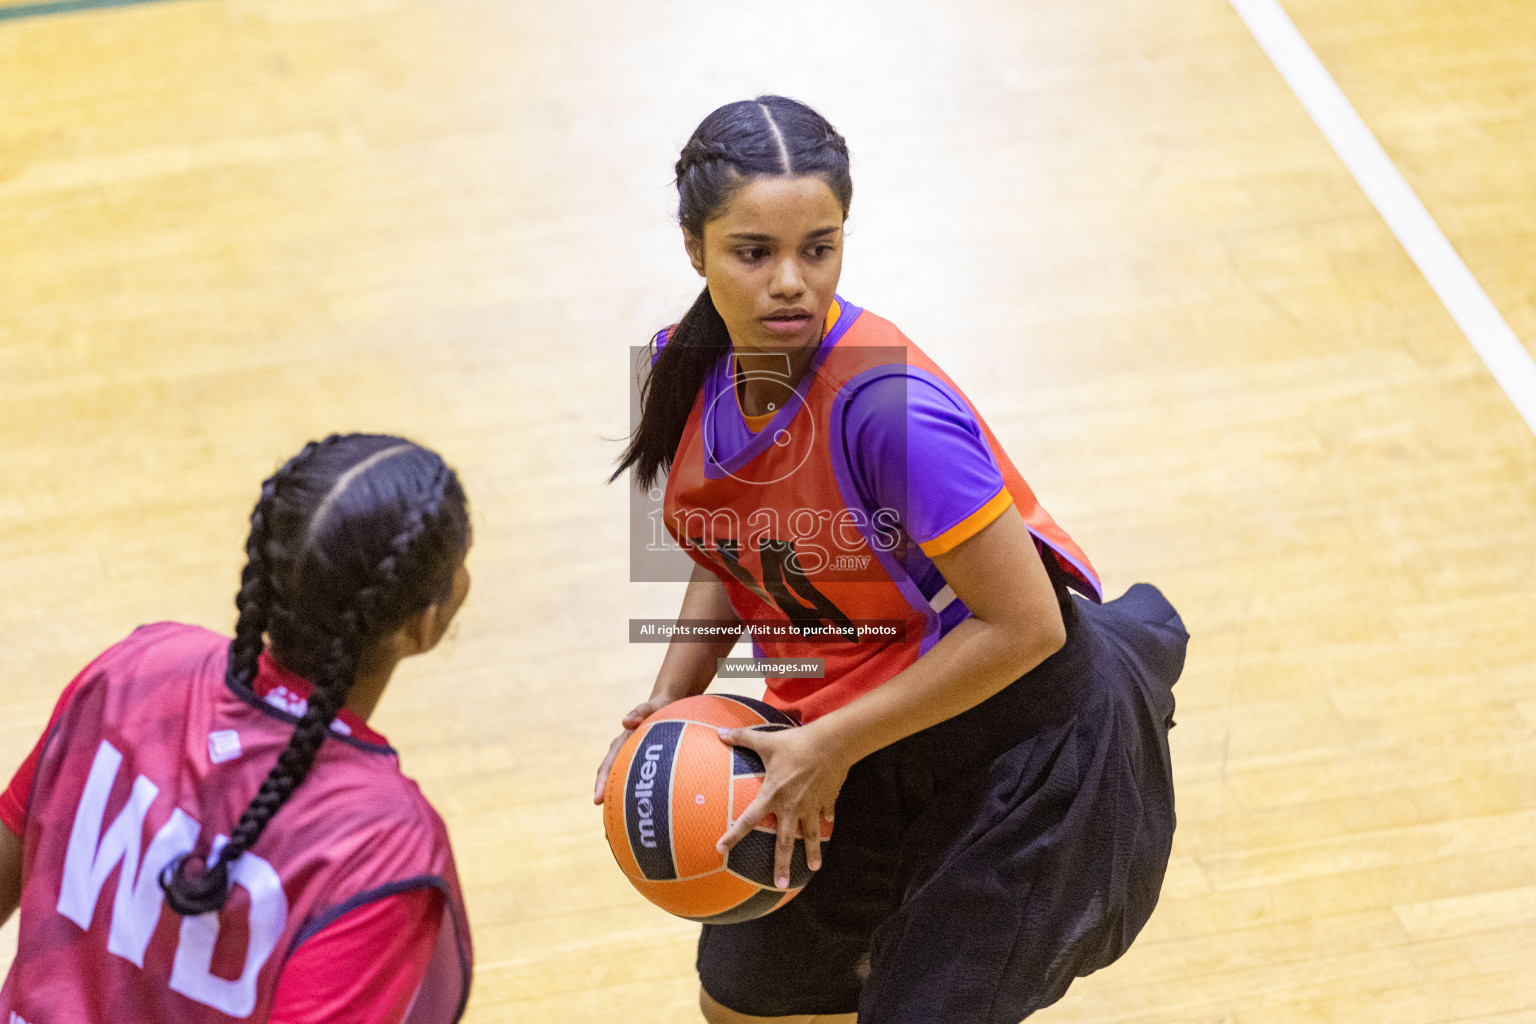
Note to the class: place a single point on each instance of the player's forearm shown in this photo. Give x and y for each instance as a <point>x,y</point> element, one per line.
<point>689,666</point>
<point>10,873</point>
<point>972,662</point>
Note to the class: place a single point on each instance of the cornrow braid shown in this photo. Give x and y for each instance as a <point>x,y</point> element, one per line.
<point>253,601</point>
<point>699,152</point>
<point>374,609</point>
<point>199,894</point>
<point>296,760</point>
<point>420,520</point>
<point>834,141</point>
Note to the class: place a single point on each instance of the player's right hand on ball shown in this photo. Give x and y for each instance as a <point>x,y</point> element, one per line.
<point>630,722</point>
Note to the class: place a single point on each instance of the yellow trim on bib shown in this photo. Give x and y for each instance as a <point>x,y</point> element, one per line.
<point>970,526</point>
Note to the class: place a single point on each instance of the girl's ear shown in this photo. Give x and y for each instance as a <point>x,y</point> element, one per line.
<point>694,245</point>
<point>422,631</point>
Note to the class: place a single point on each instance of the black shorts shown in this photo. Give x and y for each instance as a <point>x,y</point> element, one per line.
<point>977,867</point>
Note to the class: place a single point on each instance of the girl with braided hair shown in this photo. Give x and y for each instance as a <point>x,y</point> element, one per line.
<point>997,766</point>
<point>209,830</point>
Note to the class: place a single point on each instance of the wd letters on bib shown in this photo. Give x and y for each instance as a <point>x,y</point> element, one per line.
<point>111,808</point>
<point>96,849</point>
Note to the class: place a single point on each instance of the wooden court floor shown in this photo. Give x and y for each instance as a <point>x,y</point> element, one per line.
<point>228,226</point>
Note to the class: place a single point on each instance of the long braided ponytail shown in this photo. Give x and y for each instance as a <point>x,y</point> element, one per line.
<point>351,537</point>
<point>771,136</point>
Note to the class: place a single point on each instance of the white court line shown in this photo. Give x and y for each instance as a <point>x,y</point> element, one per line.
<point>1464,299</point>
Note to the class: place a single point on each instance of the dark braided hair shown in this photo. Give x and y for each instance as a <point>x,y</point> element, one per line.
<point>351,537</point>
<point>771,136</point>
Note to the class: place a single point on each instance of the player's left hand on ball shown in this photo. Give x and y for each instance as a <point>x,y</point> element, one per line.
<point>800,787</point>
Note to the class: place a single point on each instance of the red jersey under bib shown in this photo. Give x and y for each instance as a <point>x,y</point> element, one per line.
<point>782,524</point>
<point>155,755</point>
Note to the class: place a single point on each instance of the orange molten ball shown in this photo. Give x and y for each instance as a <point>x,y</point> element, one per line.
<point>673,791</point>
